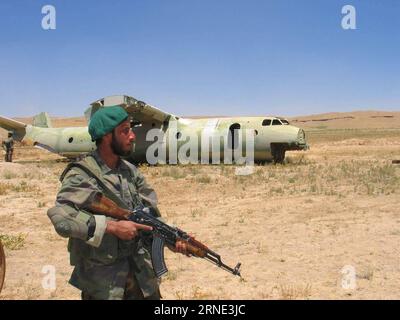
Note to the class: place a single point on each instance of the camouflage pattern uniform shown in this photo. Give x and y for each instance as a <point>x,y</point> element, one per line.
<point>105,266</point>
<point>8,146</point>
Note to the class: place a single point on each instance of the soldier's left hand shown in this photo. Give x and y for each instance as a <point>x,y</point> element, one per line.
<point>181,247</point>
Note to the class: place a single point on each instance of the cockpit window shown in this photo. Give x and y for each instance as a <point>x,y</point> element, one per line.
<point>284,121</point>
<point>135,123</point>
<point>276,122</point>
<point>266,122</point>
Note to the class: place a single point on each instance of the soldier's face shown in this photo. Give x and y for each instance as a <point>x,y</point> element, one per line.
<point>122,139</point>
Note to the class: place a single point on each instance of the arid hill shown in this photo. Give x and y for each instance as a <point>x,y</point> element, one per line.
<point>350,120</point>
<point>333,120</point>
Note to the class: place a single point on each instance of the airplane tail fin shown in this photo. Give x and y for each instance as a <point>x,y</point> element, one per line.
<point>42,120</point>
<point>18,128</point>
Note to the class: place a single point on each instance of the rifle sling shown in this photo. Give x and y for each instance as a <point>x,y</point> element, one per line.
<point>97,175</point>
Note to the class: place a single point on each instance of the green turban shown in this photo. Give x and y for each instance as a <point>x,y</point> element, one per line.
<point>105,120</point>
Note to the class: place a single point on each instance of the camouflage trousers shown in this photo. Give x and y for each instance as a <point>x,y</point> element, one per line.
<point>8,156</point>
<point>112,282</point>
<point>132,291</point>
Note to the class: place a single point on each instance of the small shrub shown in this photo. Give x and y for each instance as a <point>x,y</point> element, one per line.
<point>290,292</point>
<point>41,204</point>
<point>8,175</point>
<point>13,242</point>
<point>21,187</point>
<point>24,187</point>
<point>171,275</point>
<point>195,212</point>
<point>175,173</point>
<point>4,188</point>
<point>203,179</point>
<point>198,294</point>
<point>28,175</point>
<point>367,274</point>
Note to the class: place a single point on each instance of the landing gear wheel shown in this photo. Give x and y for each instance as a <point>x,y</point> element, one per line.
<point>2,266</point>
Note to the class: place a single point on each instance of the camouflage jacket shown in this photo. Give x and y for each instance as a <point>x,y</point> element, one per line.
<point>102,261</point>
<point>8,144</point>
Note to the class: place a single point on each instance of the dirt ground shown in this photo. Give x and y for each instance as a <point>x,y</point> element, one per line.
<point>300,229</point>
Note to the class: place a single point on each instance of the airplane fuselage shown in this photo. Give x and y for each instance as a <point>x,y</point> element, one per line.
<point>271,136</point>
<point>162,137</point>
<point>269,133</point>
<point>70,142</point>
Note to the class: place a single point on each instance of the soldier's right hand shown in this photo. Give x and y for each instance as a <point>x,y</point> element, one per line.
<point>125,230</point>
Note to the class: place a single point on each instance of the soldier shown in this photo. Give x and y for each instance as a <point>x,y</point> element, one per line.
<point>110,260</point>
<point>8,146</point>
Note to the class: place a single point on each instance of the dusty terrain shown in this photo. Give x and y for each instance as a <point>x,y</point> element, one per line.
<point>296,227</point>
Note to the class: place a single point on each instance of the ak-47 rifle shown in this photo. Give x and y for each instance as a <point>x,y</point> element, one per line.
<point>162,234</point>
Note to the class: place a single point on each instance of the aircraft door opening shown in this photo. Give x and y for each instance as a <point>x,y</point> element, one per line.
<point>233,138</point>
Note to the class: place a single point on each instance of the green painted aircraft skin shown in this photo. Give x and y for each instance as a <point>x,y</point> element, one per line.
<point>270,142</point>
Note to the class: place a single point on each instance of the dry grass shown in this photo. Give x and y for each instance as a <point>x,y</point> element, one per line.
<point>361,177</point>
<point>8,175</point>
<point>41,204</point>
<point>366,274</point>
<point>4,187</point>
<point>203,179</point>
<point>331,206</point>
<point>13,242</point>
<point>173,172</point>
<point>194,293</point>
<point>323,134</point>
<point>200,294</point>
<point>293,292</point>
<point>301,176</point>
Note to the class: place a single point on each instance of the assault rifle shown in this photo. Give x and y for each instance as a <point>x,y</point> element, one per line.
<point>162,234</point>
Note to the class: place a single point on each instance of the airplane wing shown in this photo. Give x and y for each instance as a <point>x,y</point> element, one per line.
<point>139,110</point>
<point>18,128</point>
<point>143,112</point>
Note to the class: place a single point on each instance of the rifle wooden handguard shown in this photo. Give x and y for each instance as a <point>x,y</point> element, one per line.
<point>198,252</point>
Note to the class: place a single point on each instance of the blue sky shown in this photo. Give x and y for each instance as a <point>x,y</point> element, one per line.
<point>221,57</point>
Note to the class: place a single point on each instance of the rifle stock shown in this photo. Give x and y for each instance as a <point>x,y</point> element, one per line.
<point>106,206</point>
